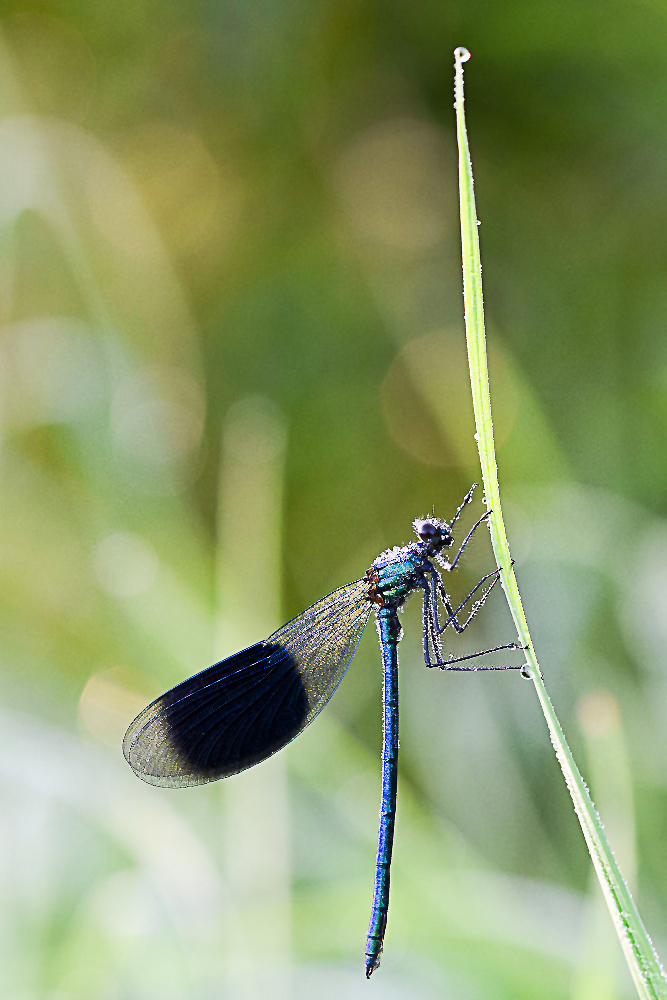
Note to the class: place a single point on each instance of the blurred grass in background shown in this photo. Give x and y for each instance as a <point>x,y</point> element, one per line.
<point>232,371</point>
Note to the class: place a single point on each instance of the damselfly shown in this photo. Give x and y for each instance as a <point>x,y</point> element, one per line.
<point>240,711</point>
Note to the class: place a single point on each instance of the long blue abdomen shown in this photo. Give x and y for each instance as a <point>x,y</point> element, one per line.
<point>389,631</point>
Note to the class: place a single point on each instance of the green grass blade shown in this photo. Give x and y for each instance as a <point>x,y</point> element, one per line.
<point>639,952</point>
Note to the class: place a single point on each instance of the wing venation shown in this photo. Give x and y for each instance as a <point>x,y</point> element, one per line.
<point>240,711</point>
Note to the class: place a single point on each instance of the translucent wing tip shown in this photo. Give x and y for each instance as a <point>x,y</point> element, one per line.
<point>152,753</point>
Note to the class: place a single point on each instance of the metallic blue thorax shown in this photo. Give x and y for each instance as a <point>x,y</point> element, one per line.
<point>396,573</point>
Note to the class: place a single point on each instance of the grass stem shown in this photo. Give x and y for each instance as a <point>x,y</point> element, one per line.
<point>641,957</point>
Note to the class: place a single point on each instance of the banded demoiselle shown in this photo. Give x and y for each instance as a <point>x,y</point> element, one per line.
<point>245,708</point>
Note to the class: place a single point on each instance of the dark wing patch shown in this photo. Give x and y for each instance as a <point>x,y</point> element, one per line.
<point>245,708</point>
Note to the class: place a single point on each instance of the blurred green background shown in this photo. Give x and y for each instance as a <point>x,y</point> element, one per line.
<point>232,371</point>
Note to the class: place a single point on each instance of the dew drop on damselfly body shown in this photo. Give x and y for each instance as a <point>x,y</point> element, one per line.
<point>245,708</point>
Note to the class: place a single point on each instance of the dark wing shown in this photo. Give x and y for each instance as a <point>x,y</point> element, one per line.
<point>245,708</point>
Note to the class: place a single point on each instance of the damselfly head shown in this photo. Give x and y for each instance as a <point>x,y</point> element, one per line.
<point>434,532</point>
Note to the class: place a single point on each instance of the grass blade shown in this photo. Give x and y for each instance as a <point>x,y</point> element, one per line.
<point>641,957</point>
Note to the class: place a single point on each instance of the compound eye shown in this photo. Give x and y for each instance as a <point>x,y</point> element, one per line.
<point>429,532</point>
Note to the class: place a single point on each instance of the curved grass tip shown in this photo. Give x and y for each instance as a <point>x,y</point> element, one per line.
<point>461,54</point>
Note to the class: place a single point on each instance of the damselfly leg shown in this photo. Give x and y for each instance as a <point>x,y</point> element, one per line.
<point>464,503</point>
<point>433,630</point>
<point>453,620</point>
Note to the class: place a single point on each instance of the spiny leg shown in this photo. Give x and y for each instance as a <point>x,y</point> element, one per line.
<point>466,500</point>
<point>430,621</point>
<point>453,620</point>
<point>445,664</point>
<point>432,630</point>
<point>458,626</point>
<point>431,627</point>
<point>427,622</point>
<point>450,565</point>
<point>461,627</point>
